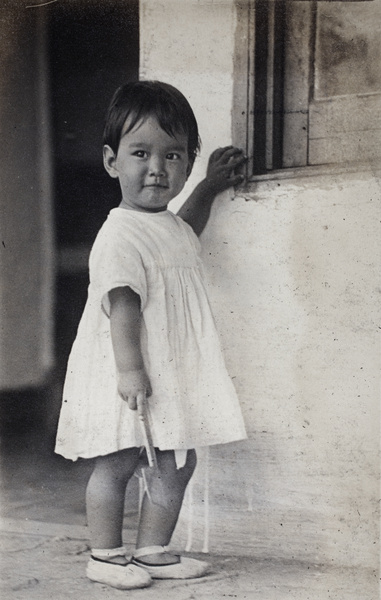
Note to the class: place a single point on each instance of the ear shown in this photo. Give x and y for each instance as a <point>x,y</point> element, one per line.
<point>109,161</point>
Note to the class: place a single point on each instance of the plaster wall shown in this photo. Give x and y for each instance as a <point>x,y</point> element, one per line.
<point>294,282</point>
<point>294,270</point>
<point>189,44</point>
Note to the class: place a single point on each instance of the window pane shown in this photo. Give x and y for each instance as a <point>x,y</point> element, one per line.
<point>348,53</point>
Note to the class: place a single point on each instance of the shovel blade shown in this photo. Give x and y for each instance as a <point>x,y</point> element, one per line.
<point>151,474</point>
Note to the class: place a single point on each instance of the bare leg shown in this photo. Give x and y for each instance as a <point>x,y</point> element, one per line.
<point>105,497</point>
<point>157,522</point>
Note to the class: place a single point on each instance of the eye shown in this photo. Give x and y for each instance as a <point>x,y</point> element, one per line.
<point>140,153</point>
<point>173,156</point>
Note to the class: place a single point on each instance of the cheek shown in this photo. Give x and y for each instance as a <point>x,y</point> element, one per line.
<point>132,173</point>
<point>180,173</point>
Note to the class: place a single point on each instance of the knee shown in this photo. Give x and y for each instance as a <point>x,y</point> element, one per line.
<point>118,465</point>
<point>191,462</point>
<point>169,470</point>
<point>187,470</point>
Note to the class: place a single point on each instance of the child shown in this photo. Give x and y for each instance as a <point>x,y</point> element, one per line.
<point>147,337</point>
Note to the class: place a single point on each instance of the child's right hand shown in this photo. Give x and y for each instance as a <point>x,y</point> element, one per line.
<point>132,384</point>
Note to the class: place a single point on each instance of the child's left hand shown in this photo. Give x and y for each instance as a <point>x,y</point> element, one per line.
<point>221,172</point>
<point>221,175</point>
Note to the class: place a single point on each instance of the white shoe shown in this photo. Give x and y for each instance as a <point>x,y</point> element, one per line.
<point>185,568</point>
<point>123,577</point>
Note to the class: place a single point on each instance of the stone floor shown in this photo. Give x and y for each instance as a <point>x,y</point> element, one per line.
<point>44,548</point>
<point>42,562</point>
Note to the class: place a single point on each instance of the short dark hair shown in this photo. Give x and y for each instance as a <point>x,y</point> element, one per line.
<point>138,100</point>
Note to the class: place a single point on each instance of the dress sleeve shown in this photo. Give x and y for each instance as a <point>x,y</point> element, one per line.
<point>116,262</point>
<point>194,239</point>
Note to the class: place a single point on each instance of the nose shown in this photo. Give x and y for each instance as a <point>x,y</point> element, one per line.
<point>156,167</point>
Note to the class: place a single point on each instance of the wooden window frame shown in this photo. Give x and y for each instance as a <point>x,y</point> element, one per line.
<point>271,111</point>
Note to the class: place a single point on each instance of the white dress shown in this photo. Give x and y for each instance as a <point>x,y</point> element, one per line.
<point>193,401</point>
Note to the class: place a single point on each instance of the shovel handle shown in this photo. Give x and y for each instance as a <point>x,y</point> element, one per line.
<point>145,429</point>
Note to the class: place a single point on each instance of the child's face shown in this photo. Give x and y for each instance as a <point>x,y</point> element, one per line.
<point>152,167</point>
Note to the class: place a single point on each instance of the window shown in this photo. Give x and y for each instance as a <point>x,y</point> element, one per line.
<point>312,90</point>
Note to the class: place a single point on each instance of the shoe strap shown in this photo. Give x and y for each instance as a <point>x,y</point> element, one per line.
<point>150,550</point>
<point>108,553</point>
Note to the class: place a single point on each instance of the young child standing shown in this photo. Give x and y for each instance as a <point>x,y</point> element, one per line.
<point>147,339</point>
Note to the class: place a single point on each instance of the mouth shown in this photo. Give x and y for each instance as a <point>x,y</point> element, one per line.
<point>156,185</point>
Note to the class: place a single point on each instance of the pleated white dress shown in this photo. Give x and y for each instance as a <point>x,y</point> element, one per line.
<point>193,401</point>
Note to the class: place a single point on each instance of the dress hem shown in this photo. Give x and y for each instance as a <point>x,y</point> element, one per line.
<point>91,455</point>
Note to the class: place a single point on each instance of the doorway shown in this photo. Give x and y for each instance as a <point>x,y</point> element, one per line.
<point>93,47</point>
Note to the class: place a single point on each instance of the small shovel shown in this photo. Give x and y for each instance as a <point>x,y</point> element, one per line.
<point>151,473</point>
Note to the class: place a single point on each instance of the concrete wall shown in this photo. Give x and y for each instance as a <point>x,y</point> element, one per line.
<point>294,271</point>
